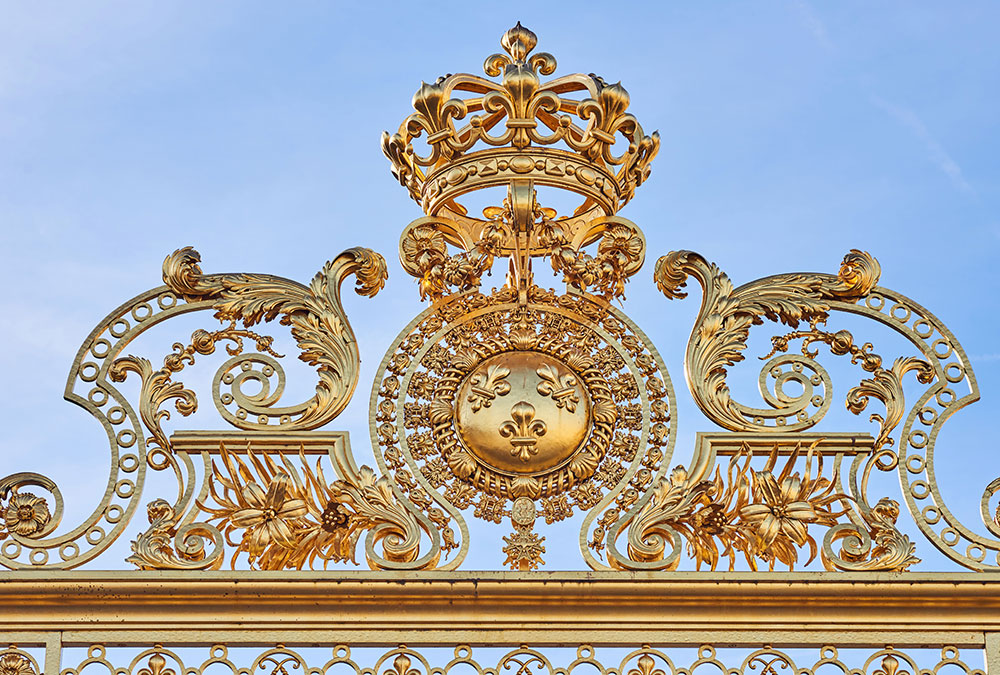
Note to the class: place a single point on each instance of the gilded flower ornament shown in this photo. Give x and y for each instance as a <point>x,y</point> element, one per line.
<point>270,519</point>
<point>13,663</point>
<point>267,515</point>
<point>622,245</point>
<point>763,516</point>
<point>780,511</point>
<point>425,246</point>
<point>291,518</point>
<point>26,514</point>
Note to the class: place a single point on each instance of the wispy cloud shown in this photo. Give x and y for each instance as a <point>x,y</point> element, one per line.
<point>815,25</point>
<point>981,358</point>
<point>935,150</point>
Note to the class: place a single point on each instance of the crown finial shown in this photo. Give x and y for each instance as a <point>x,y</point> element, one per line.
<point>518,42</point>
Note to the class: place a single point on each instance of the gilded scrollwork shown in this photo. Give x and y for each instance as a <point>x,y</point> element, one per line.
<point>723,325</point>
<point>136,436</point>
<point>950,385</point>
<point>518,403</point>
<point>876,546</point>
<point>908,427</point>
<point>885,385</point>
<point>166,546</point>
<point>315,314</point>
<point>761,515</point>
<point>158,388</point>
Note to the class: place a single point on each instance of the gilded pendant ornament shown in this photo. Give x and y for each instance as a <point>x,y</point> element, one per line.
<point>518,404</point>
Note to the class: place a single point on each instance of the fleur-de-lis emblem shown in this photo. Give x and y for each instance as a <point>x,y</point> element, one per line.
<point>157,665</point>
<point>487,386</point>
<point>890,666</point>
<point>523,430</point>
<point>561,387</point>
<point>401,666</point>
<point>646,667</point>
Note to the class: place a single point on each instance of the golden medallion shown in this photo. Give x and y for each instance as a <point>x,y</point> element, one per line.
<point>559,403</point>
<point>539,421</point>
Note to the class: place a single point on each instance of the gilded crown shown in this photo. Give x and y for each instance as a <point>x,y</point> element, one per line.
<point>572,133</point>
<point>533,118</point>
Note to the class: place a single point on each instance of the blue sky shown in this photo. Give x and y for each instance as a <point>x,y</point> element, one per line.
<point>791,133</point>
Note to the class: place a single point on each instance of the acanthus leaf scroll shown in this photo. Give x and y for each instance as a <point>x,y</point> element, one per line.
<point>727,313</point>
<point>314,313</point>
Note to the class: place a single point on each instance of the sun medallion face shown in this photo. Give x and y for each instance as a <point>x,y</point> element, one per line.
<point>522,413</point>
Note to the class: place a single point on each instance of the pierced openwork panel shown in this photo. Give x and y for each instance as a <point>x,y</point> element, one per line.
<point>640,660</point>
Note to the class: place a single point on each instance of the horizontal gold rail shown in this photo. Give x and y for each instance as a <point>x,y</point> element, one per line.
<point>497,608</point>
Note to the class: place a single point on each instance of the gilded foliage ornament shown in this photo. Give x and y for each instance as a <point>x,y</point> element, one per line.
<point>287,517</point>
<point>314,313</point>
<point>166,546</point>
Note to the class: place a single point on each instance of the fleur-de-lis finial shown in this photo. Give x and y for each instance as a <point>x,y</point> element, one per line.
<point>518,42</point>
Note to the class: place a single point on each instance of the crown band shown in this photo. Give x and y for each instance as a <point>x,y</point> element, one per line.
<point>497,168</point>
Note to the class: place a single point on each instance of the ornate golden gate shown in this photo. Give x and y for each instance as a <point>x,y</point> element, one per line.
<point>517,405</point>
